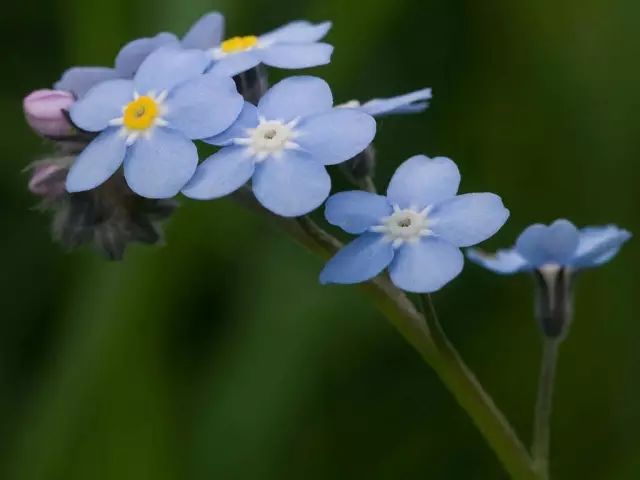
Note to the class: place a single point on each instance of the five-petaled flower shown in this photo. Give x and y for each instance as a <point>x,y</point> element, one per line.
<point>559,245</point>
<point>283,145</point>
<point>414,102</point>
<point>293,46</point>
<point>149,123</point>
<point>416,230</point>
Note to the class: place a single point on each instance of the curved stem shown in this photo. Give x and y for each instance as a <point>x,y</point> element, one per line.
<point>542,420</point>
<point>471,396</point>
<point>427,337</point>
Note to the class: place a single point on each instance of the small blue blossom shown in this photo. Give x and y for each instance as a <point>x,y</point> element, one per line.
<point>559,245</point>
<point>148,123</point>
<point>207,31</point>
<point>283,145</point>
<point>416,230</point>
<point>414,102</point>
<point>293,46</point>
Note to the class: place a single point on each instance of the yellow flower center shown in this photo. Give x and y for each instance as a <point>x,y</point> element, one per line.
<point>141,113</point>
<point>239,44</point>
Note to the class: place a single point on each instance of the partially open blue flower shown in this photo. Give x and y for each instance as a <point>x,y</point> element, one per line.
<point>293,46</point>
<point>416,230</point>
<point>149,123</point>
<point>207,31</point>
<point>559,245</point>
<point>283,145</point>
<point>414,102</point>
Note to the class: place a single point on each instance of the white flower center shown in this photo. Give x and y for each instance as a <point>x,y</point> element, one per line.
<point>404,225</point>
<point>270,138</point>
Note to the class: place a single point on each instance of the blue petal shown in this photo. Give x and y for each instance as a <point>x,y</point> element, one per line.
<point>297,32</point>
<point>361,260</point>
<point>337,135</point>
<point>414,102</point>
<point>292,185</point>
<point>204,106</point>
<point>160,166</point>
<point>235,63</point>
<point>504,261</point>
<point>97,162</point>
<point>295,97</point>
<point>248,119</point>
<point>206,33</point>
<point>468,219</point>
<point>221,174</point>
<point>598,245</point>
<point>541,244</point>
<point>356,211</point>
<point>293,55</point>
<point>134,53</point>
<point>101,104</point>
<point>425,266</point>
<point>79,80</point>
<point>421,181</point>
<point>168,67</point>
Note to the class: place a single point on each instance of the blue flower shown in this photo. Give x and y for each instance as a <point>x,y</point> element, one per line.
<point>416,230</point>
<point>292,46</point>
<point>559,245</point>
<point>283,145</point>
<point>205,32</point>
<point>414,102</point>
<point>149,123</point>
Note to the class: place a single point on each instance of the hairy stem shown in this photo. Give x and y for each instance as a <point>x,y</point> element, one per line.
<point>542,419</point>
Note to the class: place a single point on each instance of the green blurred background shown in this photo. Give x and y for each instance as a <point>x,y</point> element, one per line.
<point>219,356</point>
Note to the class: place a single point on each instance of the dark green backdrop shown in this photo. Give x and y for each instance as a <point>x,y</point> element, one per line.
<point>220,357</point>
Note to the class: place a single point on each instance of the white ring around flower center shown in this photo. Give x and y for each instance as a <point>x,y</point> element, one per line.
<point>404,225</point>
<point>270,138</point>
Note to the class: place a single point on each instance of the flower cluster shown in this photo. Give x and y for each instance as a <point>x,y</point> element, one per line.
<point>126,140</point>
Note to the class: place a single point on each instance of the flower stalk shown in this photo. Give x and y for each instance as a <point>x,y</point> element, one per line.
<point>426,335</point>
<point>542,419</point>
<point>471,396</point>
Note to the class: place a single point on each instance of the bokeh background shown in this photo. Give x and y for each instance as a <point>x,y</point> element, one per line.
<point>218,356</point>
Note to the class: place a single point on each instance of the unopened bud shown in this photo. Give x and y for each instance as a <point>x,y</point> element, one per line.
<point>361,166</point>
<point>46,113</point>
<point>253,83</point>
<point>48,180</point>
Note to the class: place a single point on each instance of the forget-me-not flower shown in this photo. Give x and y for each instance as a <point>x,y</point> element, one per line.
<point>414,102</point>
<point>293,46</point>
<point>416,230</point>
<point>148,123</point>
<point>207,31</point>
<point>283,146</point>
<point>553,254</point>
<point>559,245</point>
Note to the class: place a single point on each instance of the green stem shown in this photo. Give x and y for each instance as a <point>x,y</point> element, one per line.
<point>470,394</point>
<point>368,185</point>
<point>425,335</point>
<point>428,338</point>
<point>542,420</point>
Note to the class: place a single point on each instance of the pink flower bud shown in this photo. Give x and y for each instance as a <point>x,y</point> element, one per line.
<point>48,180</point>
<point>44,111</point>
